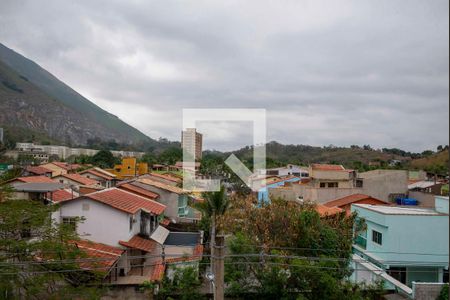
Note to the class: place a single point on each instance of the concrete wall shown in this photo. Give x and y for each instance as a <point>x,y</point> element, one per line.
<point>382,183</point>
<point>101,180</point>
<point>426,290</point>
<point>102,223</point>
<point>425,199</point>
<point>330,175</point>
<point>442,204</point>
<point>169,199</point>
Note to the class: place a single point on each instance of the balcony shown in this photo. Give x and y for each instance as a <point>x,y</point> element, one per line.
<point>361,242</point>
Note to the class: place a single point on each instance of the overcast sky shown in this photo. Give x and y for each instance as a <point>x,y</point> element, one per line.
<point>328,72</point>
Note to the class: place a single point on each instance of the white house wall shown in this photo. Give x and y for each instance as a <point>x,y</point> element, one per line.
<point>102,223</point>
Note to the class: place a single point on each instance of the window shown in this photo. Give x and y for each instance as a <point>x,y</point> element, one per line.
<point>322,184</point>
<point>359,183</point>
<point>131,223</point>
<point>332,184</point>
<point>70,221</point>
<point>377,237</point>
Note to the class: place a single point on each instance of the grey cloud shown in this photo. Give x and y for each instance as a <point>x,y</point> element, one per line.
<point>347,72</point>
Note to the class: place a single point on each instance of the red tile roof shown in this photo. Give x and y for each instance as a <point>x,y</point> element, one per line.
<point>80,179</point>
<point>197,255</point>
<point>167,177</point>
<point>327,211</point>
<point>351,199</point>
<point>107,255</point>
<point>126,201</point>
<point>327,167</point>
<point>160,185</point>
<point>38,170</point>
<point>36,179</point>
<point>140,243</point>
<point>98,174</point>
<point>59,195</point>
<point>138,190</point>
<point>165,221</point>
<point>66,166</point>
<point>158,272</point>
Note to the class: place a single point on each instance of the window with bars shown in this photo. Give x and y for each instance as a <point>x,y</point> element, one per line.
<point>377,237</point>
<point>70,221</point>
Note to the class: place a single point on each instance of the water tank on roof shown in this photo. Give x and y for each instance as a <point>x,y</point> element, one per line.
<point>407,201</point>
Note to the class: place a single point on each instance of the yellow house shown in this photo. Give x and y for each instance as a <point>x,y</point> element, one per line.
<point>129,168</point>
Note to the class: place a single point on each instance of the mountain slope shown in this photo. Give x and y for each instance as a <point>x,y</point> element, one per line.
<point>437,162</point>
<point>41,88</point>
<point>303,154</point>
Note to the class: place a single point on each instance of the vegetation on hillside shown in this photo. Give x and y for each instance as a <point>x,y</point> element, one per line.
<point>435,163</point>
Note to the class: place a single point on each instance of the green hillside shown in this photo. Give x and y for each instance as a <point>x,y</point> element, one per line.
<point>437,162</point>
<point>60,92</point>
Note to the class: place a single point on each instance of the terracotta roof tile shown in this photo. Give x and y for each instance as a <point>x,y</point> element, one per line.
<point>327,211</point>
<point>165,221</point>
<point>158,272</point>
<point>38,170</point>
<point>58,196</point>
<point>106,254</point>
<point>97,173</point>
<point>351,199</point>
<point>327,167</point>
<point>126,201</point>
<point>138,190</point>
<point>197,255</point>
<point>161,185</point>
<point>167,177</point>
<point>66,166</point>
<point>80,179</point>
<point>140,243</point>
<point>36,179</point>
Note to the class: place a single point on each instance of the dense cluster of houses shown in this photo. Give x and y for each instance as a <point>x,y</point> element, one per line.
<point>127,223</point>
<point>133,217</point>
<point>405,238</point>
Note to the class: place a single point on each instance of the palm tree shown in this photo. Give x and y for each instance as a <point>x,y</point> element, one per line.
<point>215,205</point>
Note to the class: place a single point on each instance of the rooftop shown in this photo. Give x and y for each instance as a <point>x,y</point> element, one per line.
<point>327,211</point>
<point>66,166</point>
<point>125,201</point>
<point>327,167</point>
<point>182,238</point>
<point>160,185</point>
<point>35,179</point>
<point>80,179</point>
<point>132,187</point>
<point>38,170</point>
<point>106,254</point>
<point>351,199</point>
<point>399,210</point>
<point>102,174</point>
<point>422,184</point>
<point>167,177</point>
<point>60,195</point>
<point>39,187</point>
<point>139,243</point>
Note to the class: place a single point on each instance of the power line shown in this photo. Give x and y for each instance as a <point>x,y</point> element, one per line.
<point>227,263</point>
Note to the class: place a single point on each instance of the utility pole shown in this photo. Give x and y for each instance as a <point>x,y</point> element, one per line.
<point>219,267</point>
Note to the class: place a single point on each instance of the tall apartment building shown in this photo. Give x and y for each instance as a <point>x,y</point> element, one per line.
<point>191,142</point>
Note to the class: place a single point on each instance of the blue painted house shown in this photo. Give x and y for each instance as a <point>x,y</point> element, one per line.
<point>263,193</point>
<point>411,244</point>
